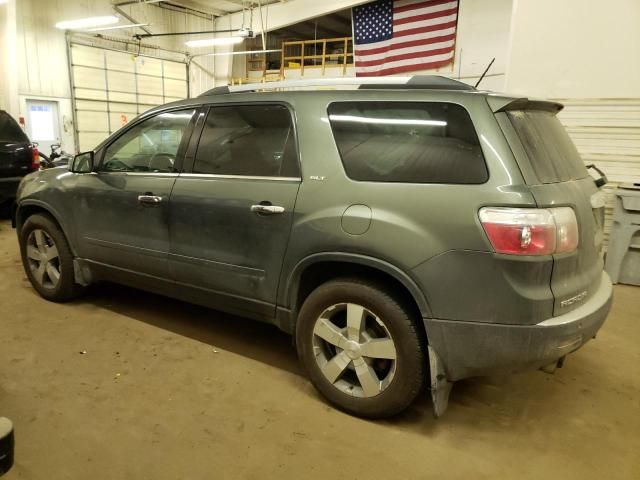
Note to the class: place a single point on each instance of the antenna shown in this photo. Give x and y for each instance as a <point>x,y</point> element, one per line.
<point>485,72</point>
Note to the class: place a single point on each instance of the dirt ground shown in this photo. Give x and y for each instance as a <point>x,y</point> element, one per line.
<point>167,390</point>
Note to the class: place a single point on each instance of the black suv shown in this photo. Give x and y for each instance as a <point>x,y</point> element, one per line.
<point>414,231</point>
<point>18,157</point>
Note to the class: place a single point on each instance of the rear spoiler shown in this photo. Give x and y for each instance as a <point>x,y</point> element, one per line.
<point>505,104</point>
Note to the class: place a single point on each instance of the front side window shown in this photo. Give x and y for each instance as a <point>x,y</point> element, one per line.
<point>416,142</point>
<point>150,146</point>
<point>248,140</point>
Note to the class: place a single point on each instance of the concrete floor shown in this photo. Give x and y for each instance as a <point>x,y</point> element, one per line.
<point>167,390</point>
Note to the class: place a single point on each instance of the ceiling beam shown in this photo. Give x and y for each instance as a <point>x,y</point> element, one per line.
<point>284,14</point>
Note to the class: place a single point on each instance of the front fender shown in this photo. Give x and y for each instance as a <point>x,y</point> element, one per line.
<point>24,205</point>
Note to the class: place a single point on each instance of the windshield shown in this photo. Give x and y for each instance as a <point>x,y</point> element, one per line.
<point>10,131</point>
<point>552,154</point>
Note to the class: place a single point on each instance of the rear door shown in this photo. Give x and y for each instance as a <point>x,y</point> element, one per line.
<point>232,211</point>
<point>557,177</point>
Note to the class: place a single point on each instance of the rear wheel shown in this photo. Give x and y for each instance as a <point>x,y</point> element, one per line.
<point>47,259</point>
<point>361,348</point>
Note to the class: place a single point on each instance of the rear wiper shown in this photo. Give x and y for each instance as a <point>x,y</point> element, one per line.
<point>603,178</point>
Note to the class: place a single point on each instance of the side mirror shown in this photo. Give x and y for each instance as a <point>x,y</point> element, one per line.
<point>82,163</point>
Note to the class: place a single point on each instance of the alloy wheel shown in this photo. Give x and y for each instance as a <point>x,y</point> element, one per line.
<point>43,258</point>
<point>354,350</point>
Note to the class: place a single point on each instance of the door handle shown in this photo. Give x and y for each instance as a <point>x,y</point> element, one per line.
<point>148,199</point>
<point>267,209</point>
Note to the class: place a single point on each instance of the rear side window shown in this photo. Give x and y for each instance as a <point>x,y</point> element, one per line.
<point>248,140</point>
<point>10,131</point>
<point>553,156</point>
<point>417,142</point>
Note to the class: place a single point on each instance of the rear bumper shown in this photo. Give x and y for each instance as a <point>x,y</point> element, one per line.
<point>469,349</point>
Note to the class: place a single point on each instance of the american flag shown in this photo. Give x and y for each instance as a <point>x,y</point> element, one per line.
<point>403,35</point>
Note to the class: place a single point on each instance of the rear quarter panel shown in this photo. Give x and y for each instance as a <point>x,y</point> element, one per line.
<point>411,224</point>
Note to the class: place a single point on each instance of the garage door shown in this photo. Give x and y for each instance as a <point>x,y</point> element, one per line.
<point>607,133</point>
<point>111,88</point>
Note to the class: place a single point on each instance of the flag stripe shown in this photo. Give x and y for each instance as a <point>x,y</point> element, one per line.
<point>406,61</point>
<point>390,52</point>
<point>431,22</point>
<point>405,56</point>
<point>421,11</point>
<point>425,16</point>
<point>404,6</point>
<point>421,44</point>
<point>406,65</point>
<point>404,35</point>
<point>425,29</point>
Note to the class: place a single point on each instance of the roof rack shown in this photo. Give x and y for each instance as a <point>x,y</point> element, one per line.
<point>427,82</point>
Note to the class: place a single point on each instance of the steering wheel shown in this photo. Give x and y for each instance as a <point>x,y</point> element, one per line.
<point>115,165</point>
<point>162,162</point>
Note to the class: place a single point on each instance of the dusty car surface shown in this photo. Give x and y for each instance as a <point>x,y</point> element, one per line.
<point>410,232</point>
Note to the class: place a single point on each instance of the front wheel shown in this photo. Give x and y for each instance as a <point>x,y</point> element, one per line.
<point>47,259</point>
<point>361,348</point>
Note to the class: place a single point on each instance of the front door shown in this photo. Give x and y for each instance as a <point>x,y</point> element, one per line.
<point>43,126</point>
<point>231,214</point>
<point>122,209</point>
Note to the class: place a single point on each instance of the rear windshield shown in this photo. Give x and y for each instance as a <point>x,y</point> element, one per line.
<point>417,142</point>
<point>551,152</point>
<point>10,131</point>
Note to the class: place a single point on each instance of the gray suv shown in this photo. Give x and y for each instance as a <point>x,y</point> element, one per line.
<point>408,232</point>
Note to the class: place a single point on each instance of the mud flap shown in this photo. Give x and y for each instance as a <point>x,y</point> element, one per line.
<point>81,272</point>
<point>440,386</point>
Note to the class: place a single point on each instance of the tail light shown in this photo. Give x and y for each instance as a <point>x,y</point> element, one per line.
<point>35,158</point>
<point>530,231</point>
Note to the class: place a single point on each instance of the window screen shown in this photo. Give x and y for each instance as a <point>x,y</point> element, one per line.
<point>150,146</point>
<point>407,142</point>
<point>251,140</point>
<point>551,152</point>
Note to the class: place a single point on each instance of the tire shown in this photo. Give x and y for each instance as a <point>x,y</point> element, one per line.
<point>333,309</point>
<point>45,251</point>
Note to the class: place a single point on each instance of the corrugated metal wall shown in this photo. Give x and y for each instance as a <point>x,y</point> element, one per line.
<point>111,88</point>
<point>42,63</point>
<point>607,133</point>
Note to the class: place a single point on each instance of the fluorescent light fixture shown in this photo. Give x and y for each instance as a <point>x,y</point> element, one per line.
<point>246,52</point>
<point>117,27</point>
<point>387,121</point>
<point>208,42</point>
<point>87,22</point>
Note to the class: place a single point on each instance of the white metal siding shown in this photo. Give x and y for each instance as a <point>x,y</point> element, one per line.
<point>607,133</point>
<point>111,88</point>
